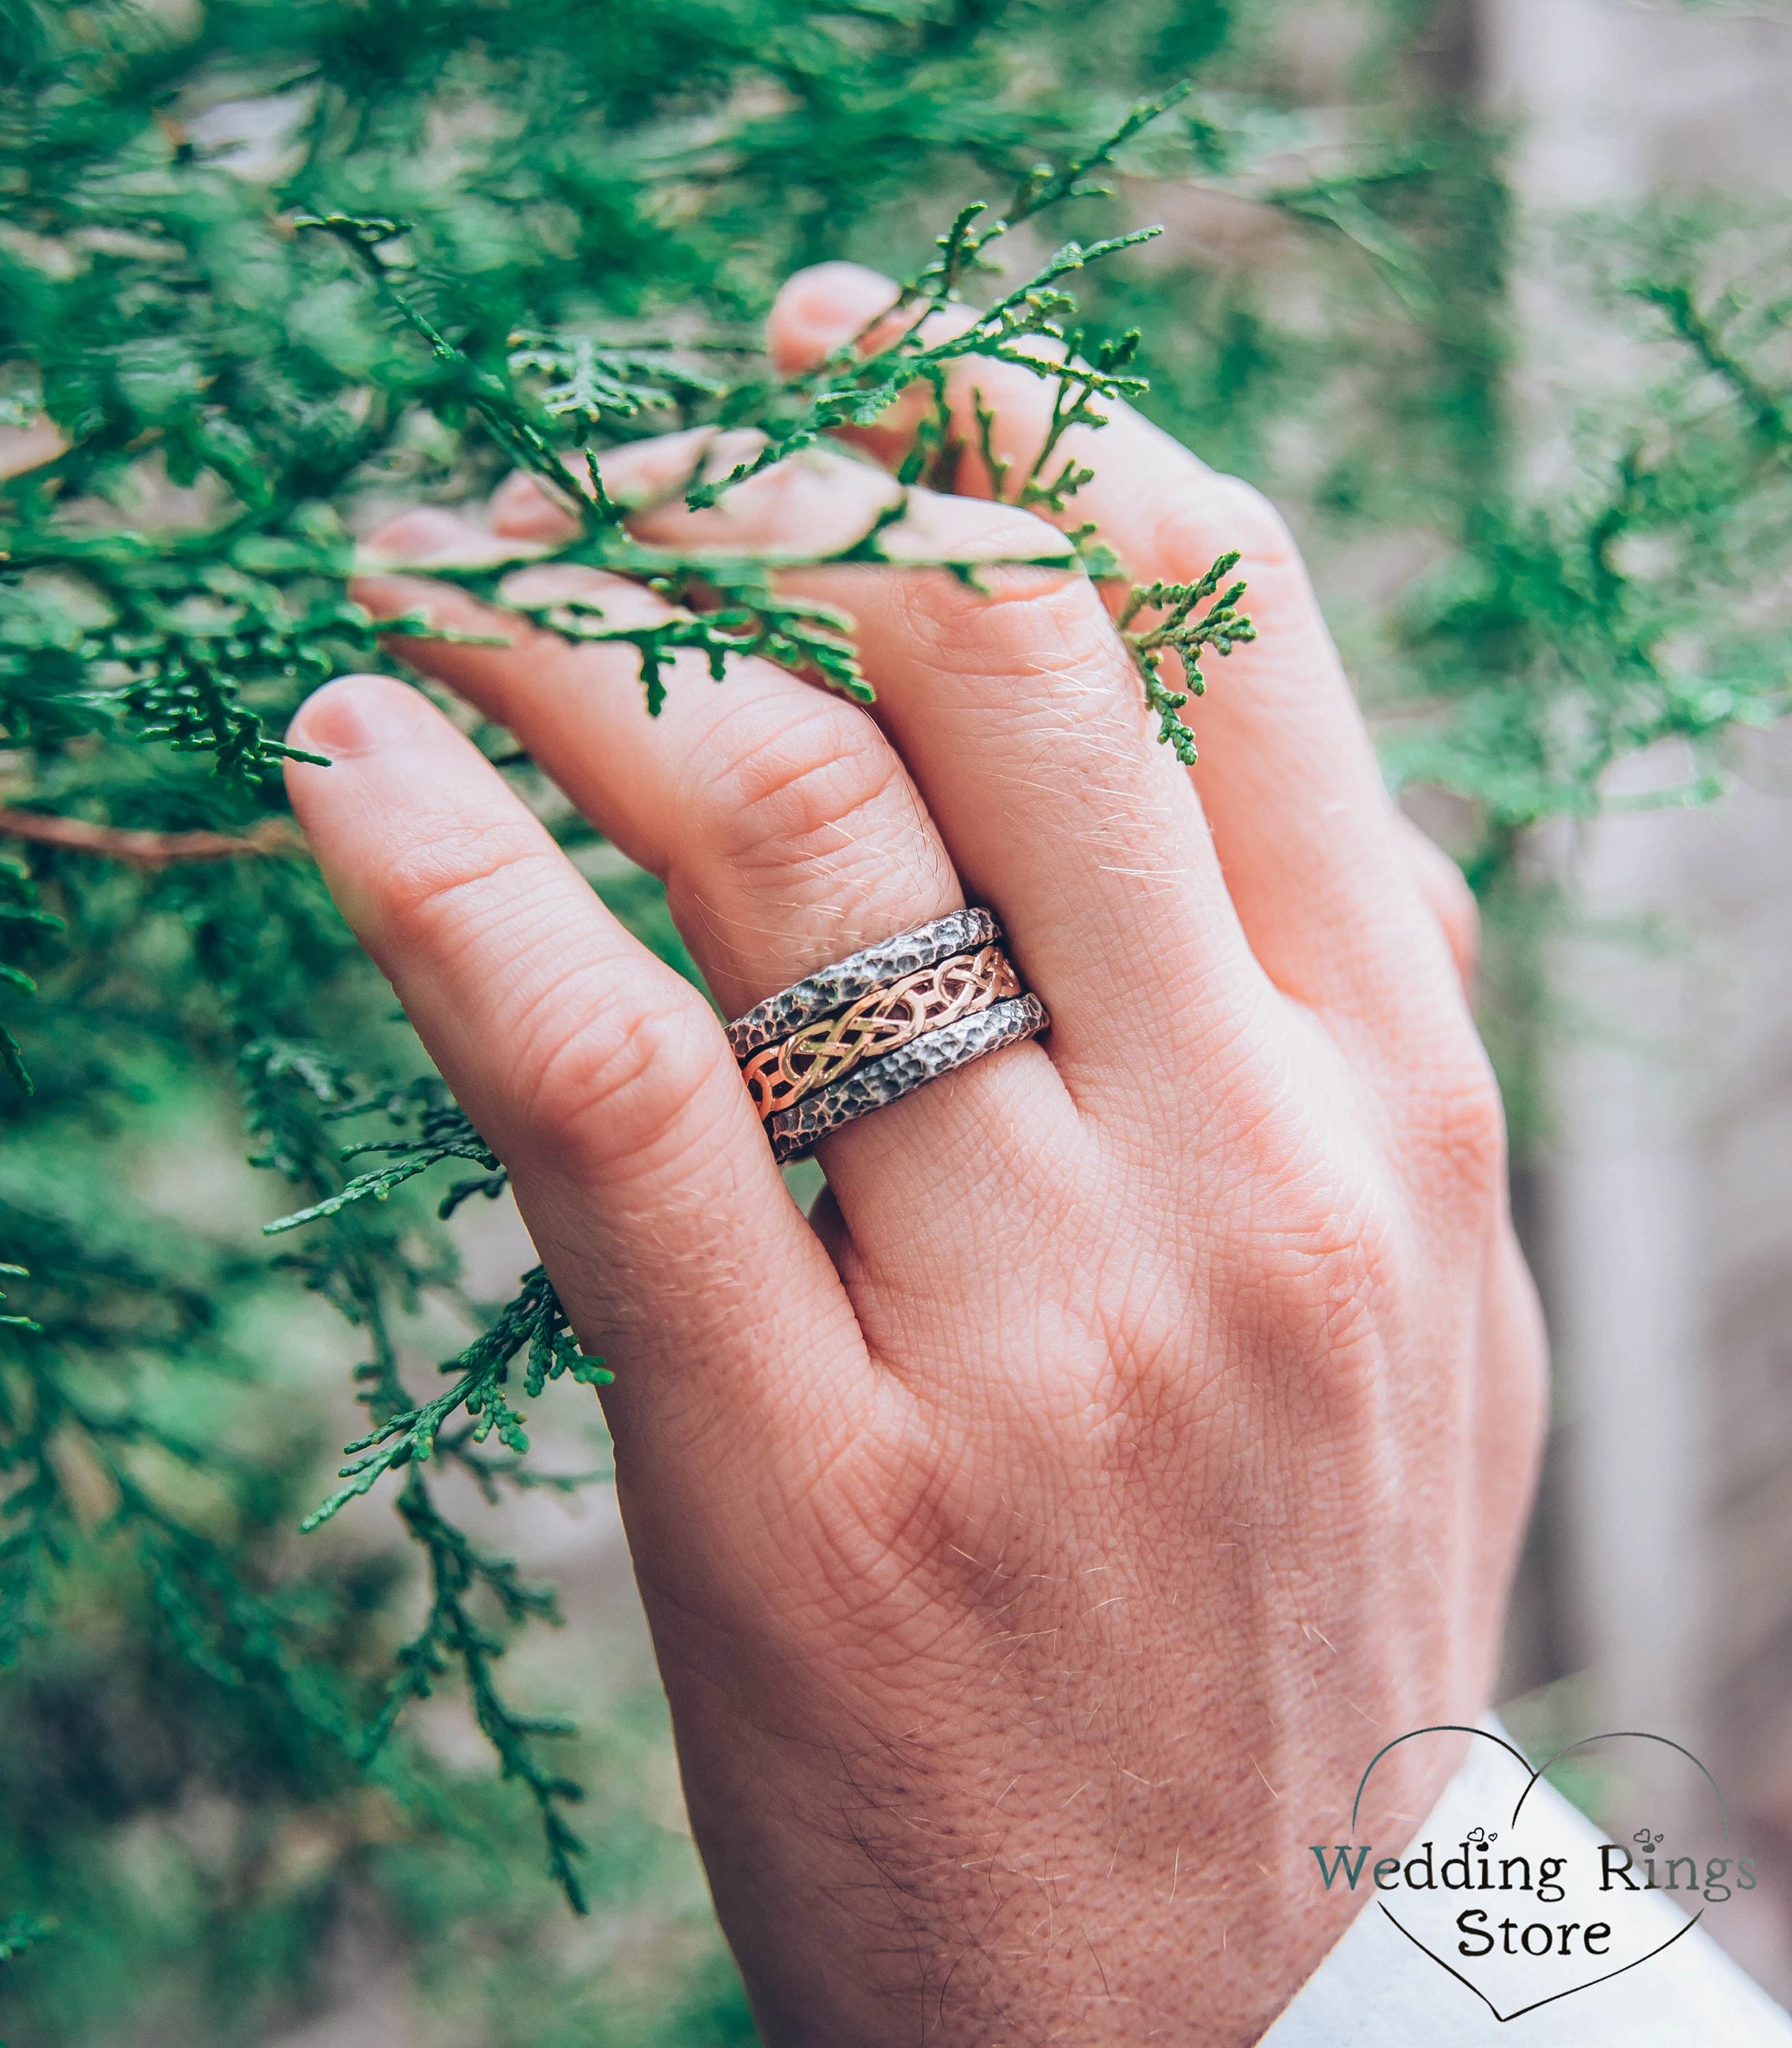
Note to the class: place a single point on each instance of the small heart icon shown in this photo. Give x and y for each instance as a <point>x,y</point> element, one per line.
<point>1531,1911</point>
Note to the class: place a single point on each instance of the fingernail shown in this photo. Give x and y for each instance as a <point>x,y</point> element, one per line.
<point>355,715</point>
<point>839,298</point>
<point>520,509</point>
<point>424,531</point>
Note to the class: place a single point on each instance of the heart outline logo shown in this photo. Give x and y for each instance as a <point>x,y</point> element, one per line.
<point>1533,1774</point>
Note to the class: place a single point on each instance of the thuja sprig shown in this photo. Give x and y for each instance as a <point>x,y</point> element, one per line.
<point>720,607</point>
<point>742,615</point>
<point>591,381</point>
<point>1072,406</point>
<point>722,610</point>
<point>533,1326</point>
<point>443,1132</point>
<point>297,1096</point>
<point>1026,327</point>
<point>15,1273</point>
<point>496,402</point>
<point>184,623</point>
<point>858,383</point>
<point>965,245</point>
<point>1077,384</point>
<point>531,1329</point>
<point>451,1639</point>
<point>1184,628</point>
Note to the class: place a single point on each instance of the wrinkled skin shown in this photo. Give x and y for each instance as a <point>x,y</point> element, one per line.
<point>1040,1539</point>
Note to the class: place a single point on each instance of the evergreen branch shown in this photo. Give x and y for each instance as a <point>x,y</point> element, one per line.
<point>16,1322</point>
<point>492,1475</point>
<point>1705,338</point>
<point>535,1324</point>
<point>594,380</point>
<point>724,608</point>
<point>444,1133</point>
<point>21,922</point>
<point>495,402</point>
<point>451,1635</point>
<point>171,674</point>
<point>995,467</point>
<point>853,388</point>
<point>294,1096</point>
<point>744,618</point>
<point>37,1523</point>
<point>964,247</point>
<point>1186,631</point>
<point>1025,327</point>
<point>1075,384</point>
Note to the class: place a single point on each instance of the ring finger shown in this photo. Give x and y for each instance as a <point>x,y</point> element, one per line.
<point>785,826</point>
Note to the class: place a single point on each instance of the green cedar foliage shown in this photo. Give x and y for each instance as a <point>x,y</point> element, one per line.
<point>267,272</point>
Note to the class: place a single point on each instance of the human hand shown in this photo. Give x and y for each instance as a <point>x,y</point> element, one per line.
<point>1039,1542</point>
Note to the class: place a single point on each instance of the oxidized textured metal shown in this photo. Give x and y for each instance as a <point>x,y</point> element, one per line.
<point>793,1131</point>
<point>834,988</point>
<point>887,1018</point>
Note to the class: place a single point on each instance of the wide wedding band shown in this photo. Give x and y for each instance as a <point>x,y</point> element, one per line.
<point>876,1026</point>
<point>819,995</point>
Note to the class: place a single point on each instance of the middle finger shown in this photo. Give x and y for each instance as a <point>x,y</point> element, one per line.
<point>1020,715</point>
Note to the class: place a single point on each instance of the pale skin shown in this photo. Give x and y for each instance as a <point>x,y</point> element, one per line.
<point>1039,1539</point>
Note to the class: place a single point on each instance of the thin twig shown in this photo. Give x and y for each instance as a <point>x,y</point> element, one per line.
<point>149,849</point>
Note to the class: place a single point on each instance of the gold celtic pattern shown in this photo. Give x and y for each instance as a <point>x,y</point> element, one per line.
<point>881,1022</point>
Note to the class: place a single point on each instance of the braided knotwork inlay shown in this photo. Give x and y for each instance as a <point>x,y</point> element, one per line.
<point>822,995</point>
<point>881,1022</point>
<point>793,1131</point>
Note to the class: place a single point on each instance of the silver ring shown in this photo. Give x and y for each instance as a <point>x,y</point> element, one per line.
<point>793,1131</point>
<point>821,994</point>
<point>877,1025</point>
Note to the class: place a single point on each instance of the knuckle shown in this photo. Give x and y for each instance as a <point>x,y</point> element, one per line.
<point>1324,1249</point>
<point>1332,1275</point>
<point>796,790</point>
<point>1032,644</point>
<point>1467,1116</point>
<point>439,890</point>
<point>605,1079</point>
<point>1334,1264</point>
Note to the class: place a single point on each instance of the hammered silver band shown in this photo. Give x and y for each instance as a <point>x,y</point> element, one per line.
<point>876,1026</point>
<point>819,995</point>
<point>880,1082</point>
